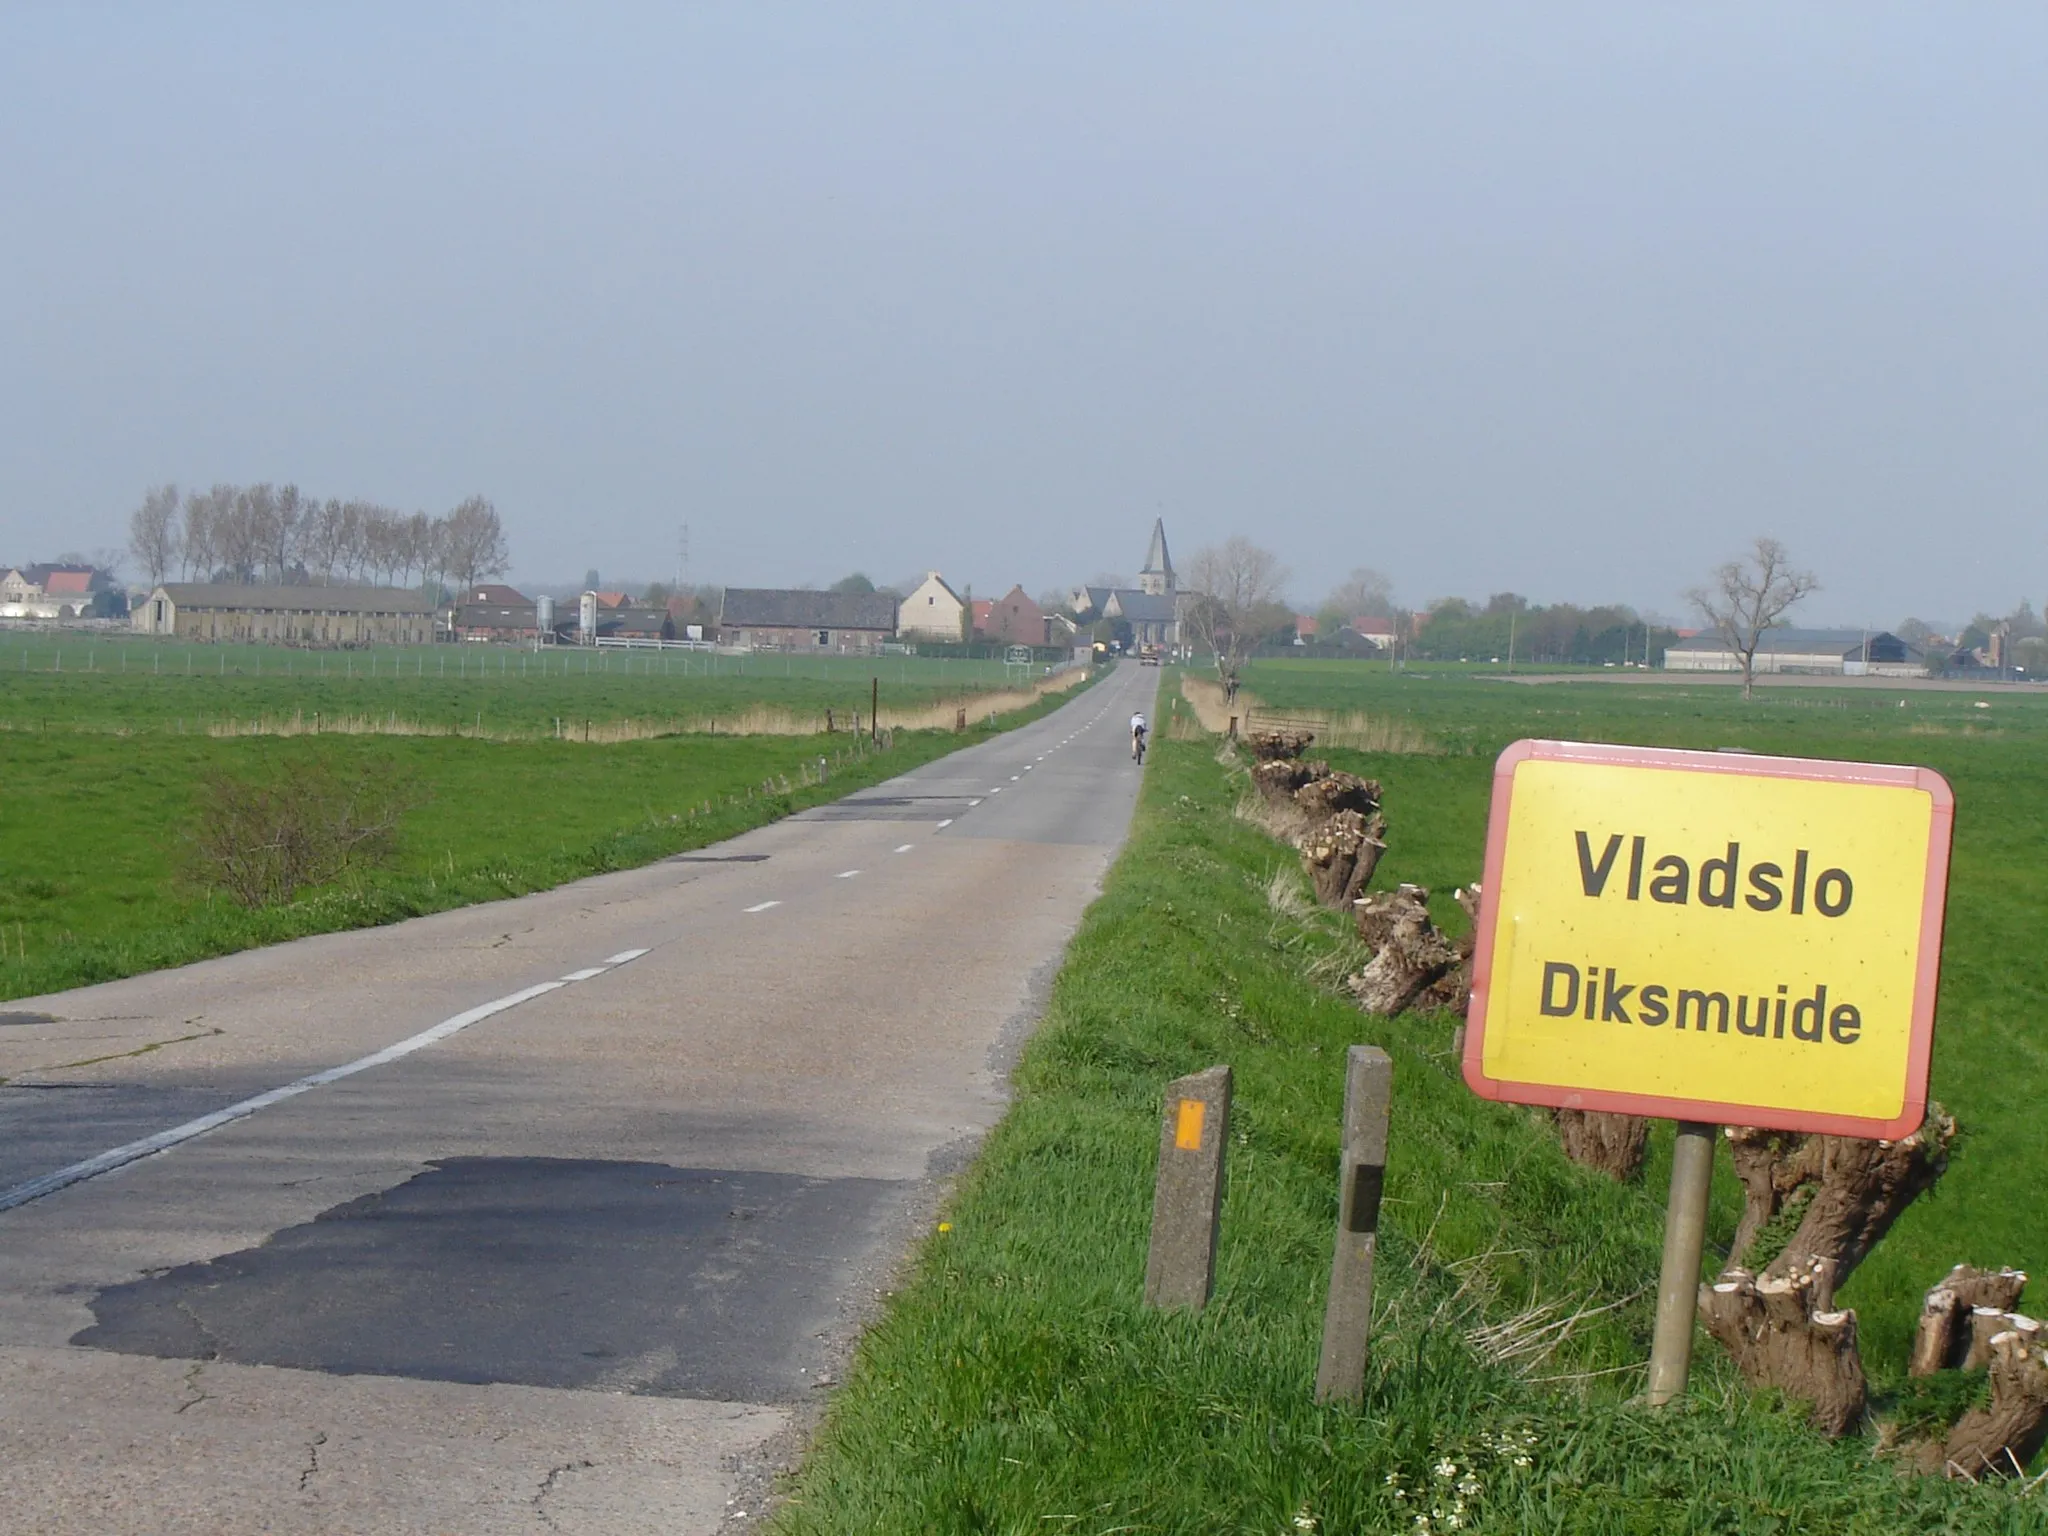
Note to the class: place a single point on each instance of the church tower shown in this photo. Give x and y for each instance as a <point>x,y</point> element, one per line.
<point>1156,579</point>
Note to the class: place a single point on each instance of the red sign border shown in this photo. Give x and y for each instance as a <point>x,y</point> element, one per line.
<point>1920,1047</point>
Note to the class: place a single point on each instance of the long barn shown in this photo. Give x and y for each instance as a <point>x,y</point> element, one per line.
<point>308,615</point>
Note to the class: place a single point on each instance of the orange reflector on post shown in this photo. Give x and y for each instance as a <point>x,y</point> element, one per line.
<point>1187,1126</point>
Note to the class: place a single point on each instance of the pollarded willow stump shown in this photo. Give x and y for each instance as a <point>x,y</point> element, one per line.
<point>1276,746</point>
<point>1853,1189</point>
<point>1607,1143</point>
<point>1781,1334</point>
<point>1333,790</point>
<point>1409,952</point>
<point>1452,991</point>
<point>1999,1439</point>
<point>1945,1336</point>
<point>1340,854</point>
<point>1277,780</point>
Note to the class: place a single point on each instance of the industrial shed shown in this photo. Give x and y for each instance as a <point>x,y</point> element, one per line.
<point>314,616</point>
<point>1821,652</point>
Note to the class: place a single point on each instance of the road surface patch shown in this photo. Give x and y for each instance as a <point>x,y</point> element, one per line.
<point>551,1272</point>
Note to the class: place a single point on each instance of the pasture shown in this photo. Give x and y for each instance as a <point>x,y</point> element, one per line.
<point>585,762</point>
<point>120,683</point>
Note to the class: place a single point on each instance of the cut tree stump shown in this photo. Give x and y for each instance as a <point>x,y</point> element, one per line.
<point>1340,854</point>
<point>1940,1341</point>
<point>1333,790</point>
<point>1781,1337</point>
<point>1277,779</point>
<point>1452,991</point>
<point>1276,746</point>
<point>2000,1439</point>
<point>1854,1188</point>
<point>1408,950</point>
<point>1608,1143</point>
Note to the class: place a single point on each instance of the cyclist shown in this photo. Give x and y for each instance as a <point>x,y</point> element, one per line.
<point>1138,738</point>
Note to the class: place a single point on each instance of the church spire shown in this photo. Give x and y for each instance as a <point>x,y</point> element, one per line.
<point>1156,578</point>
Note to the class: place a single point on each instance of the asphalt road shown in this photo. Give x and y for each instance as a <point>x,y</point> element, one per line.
<point>552,1215</point>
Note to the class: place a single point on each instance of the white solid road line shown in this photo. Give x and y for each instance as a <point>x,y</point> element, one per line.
<point>763,906</point>
<point>163,1141</point>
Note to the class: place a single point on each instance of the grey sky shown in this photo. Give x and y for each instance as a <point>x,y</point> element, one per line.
<point>1569,299</point>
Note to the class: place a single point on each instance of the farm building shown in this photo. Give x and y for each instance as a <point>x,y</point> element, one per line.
<point>768,618</point>
<point>932,611</point>
<point>1014,619</point>
<point>286,615</point>
<point>50,591</point>
<point>1826,652</point>
<point>495,612</point>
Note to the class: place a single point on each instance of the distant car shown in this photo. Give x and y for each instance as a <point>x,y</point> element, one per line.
<point>1149,656</point>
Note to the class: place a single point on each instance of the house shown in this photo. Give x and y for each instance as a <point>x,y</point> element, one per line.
<point>49,591</point>
<point>980,608</point>
<point>1829,652</point>
<point>1150,613</point>
<point>1060,631</point>
<point>286,615</point>
<point>1377,633</point>
<point>1306,628</point>
<point>932,611</point>
<point>773,619</point>
<point>1014,619</point>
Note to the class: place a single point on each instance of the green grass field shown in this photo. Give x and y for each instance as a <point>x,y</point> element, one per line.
<point>99,773</point>
<point>1015,1383</point>
<point>50,682</point>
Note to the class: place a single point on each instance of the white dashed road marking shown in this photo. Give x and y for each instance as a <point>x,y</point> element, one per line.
<point>846,874</point>
<point>905,848</point>
<point>763,906</point>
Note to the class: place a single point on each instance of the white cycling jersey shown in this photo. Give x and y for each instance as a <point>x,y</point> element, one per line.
<point>1137,724</point>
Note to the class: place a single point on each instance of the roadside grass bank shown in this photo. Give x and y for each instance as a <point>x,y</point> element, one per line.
<point>1015,1383</point>
<point>95,828</point>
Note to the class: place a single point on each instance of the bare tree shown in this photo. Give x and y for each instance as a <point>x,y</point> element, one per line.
<point>200,542</point>
<point>1365,593</point>
<point>153,533</point>
<point>1747,598</point>
<point>476,542</point>
<point>1237,598</point>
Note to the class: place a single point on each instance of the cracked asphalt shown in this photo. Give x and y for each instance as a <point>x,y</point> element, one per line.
<point>552,1215</point>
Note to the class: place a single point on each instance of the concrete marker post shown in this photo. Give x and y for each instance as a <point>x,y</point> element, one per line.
<point>1187,1201</point>
<point>1347,1319</point>
<point>1685,1238</point>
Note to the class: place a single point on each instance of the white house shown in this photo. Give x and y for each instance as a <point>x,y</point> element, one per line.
<point>932,610</point>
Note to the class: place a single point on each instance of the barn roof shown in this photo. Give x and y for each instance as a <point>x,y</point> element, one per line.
<point>775,608</point>
<point>300,599</point>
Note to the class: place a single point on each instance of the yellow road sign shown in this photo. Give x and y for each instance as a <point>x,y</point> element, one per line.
<point>1710,936</point>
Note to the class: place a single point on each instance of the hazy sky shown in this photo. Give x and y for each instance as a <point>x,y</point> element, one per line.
<point>1569,299</point>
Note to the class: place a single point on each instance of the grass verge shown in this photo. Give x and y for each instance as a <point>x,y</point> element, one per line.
<point>1015,1383</point>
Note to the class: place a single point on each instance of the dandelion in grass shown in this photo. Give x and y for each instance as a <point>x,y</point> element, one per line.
<point>945,1226</point>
